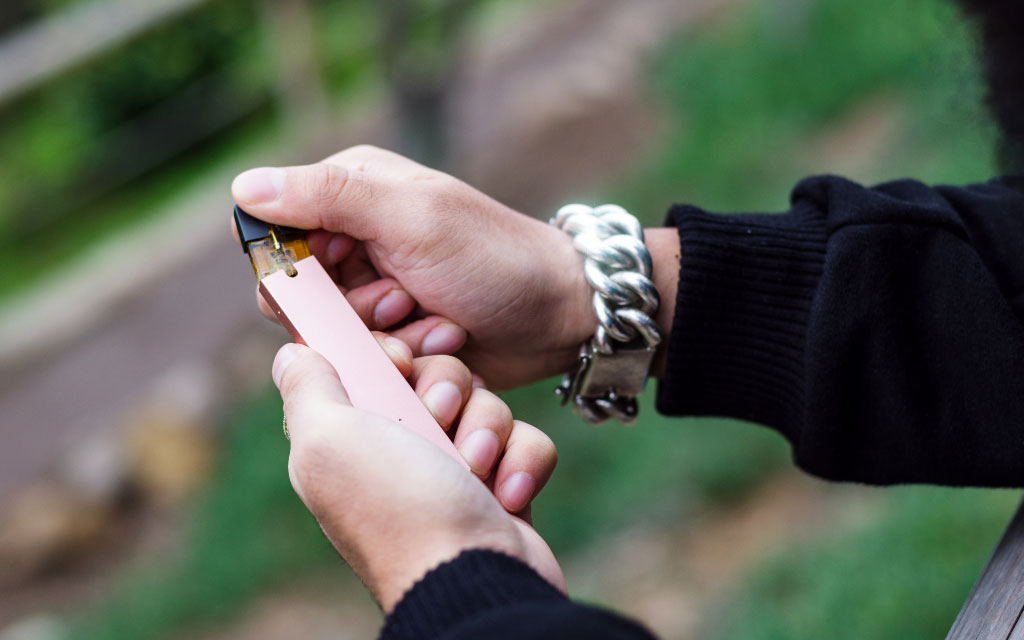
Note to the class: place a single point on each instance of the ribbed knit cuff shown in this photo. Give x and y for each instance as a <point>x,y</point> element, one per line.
<point>474,582</point>
<point>746,285</point>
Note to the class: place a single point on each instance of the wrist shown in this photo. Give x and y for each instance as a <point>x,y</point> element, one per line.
<point>402,572</point>
<point>663,243</point>
<point>576,322</point>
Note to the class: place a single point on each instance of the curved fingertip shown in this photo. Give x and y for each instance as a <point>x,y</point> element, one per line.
<point>339,247</point>
<point>264,306</point>
<point>444,400</point>
<point>480,450</point>
<point>399,352</point>
<point>479,383</point>
<point>286,355</point>
<point>258,186</point>
<point>444,339</point>
<point>529,459</point>
<point>305,378</point>
<point>484,428</point>
<point>517,491</point>
<point>317,240</point>
<point>393,308</point>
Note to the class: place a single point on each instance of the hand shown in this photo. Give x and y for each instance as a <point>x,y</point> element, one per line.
<point>515,284</point>
<point>391,503</point>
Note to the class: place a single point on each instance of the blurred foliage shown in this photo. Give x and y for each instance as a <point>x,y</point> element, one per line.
<point>902,577</point>
<point>744,94</point>
<point>348,43</point>
<point>92,151</point>
<point>54,142</point>
<point>79,152</point>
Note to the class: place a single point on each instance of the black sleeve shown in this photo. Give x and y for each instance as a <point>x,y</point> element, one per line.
<point>485,594</point>
<point>878,329</point>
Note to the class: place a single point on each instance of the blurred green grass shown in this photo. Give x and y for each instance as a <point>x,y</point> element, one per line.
<point>247,532</point>
<point>904,576</point>
<point>745,91</point>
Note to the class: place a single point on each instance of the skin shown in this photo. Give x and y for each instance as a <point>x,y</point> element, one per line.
<point>391,503</point>
<point>508,288</point>
<point>443,269</point>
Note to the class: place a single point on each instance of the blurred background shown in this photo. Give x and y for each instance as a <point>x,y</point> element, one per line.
<point>143,491</point>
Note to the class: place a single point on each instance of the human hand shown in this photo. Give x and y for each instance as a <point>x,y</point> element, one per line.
<point>391,503</point>
<point>391,226</point>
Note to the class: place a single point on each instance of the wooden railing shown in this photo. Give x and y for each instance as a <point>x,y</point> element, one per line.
<point>38,52</point>
<point>995,605</point>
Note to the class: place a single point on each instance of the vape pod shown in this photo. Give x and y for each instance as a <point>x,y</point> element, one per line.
<point>316,314</point>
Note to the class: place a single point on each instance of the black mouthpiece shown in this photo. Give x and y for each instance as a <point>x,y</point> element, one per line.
<point>251,229</point>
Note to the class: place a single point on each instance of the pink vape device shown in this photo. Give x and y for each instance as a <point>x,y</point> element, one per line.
<point>316,313</point>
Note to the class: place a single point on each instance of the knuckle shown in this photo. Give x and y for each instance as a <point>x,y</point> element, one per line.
<point>539,442</point>
<point>551,452</point>
<point>450,368</point>
<point>366,149</point>
<point>546,449</point>
<point>499,413</point>
<point>294,378</point>
<point>326,183</point>
<point>291,383</point>
<point>360,185</point>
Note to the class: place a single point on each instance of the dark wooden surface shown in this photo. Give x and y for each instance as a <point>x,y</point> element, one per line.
<point>993,609</point>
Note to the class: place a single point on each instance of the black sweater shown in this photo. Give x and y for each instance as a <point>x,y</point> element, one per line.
<point>880,331</point>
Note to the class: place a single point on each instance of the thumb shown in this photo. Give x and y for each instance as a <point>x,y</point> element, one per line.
<point>307,383</point>
<point>316,196</point>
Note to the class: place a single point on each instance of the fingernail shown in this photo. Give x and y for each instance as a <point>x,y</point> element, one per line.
<point>397,349</point>
<point>393,307</point>
<point>285,356</point>
<point>444,400</point>
<point>443,339</point>
<point>338,248</point>
<point>517,491</point>
<point>259,185</point>
<point>478,382</point>
<point>480,448</point>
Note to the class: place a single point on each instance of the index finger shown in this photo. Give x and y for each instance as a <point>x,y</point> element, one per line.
<point>316,196</point>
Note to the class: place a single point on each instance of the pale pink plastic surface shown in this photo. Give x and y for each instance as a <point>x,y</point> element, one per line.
<point>318,315</point>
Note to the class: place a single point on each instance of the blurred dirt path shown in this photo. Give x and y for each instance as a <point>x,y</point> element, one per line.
<point>188,315</point>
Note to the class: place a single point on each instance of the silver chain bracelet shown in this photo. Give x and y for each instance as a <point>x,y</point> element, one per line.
<point>614,364</point>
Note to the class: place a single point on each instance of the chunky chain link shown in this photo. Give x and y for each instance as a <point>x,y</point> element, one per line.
<point>618,266</point>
